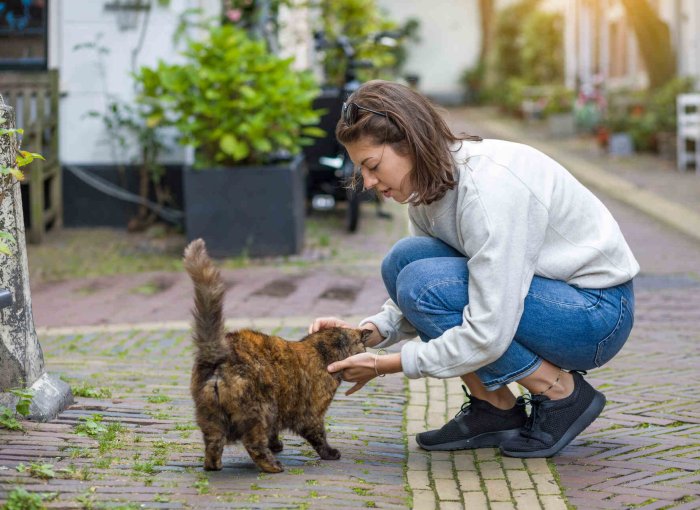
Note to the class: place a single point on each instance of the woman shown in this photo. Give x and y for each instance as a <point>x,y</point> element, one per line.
<point>514,272</point>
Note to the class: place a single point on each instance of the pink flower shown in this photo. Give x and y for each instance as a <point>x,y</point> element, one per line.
<point>234,15</point>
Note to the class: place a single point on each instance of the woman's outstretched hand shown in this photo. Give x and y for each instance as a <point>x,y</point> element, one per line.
<point>333,322</point>
<point>358,368</point>
<point>328,322</point>
<point>362,368</point>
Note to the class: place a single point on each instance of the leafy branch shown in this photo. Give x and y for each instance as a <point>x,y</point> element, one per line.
<point>12,173</point>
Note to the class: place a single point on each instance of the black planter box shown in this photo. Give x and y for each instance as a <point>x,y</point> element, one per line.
<point>85,206</point>
<point>249,210</point>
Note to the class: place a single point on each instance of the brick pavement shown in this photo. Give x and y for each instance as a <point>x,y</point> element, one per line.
<point>642,453</point>
<point>155,460</point>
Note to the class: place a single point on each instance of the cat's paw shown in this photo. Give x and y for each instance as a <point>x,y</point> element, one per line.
<point>330,454</point>
<point>276,445</point>
<point>213,465</point>
<point>271,467</point>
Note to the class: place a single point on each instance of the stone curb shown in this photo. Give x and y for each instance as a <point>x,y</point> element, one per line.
<point>677,216</point>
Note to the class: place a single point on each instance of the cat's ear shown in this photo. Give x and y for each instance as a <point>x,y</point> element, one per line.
<point>366,333</point>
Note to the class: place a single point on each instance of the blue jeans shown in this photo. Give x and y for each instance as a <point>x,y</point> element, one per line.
<point>572,328</point>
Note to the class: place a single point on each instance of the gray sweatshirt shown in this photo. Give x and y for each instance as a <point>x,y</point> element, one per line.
<point>514,213</point>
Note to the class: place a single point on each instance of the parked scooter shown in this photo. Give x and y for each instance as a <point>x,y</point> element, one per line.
<point>330,167</point>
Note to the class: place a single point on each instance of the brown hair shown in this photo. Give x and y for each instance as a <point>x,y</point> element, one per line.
<point>414,128</point>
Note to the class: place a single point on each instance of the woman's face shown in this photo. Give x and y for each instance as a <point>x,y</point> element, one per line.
<point>382,168</point>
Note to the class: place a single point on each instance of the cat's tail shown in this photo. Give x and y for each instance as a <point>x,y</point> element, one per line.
<point>208,328</point>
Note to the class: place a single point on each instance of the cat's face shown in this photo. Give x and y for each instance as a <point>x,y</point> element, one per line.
<point>357,339</point>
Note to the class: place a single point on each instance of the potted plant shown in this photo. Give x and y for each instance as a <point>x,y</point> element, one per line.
<point>247,114</point>
<point>559,111</point>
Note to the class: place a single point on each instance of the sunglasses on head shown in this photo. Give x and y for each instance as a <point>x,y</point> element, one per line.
<point>350,112</point>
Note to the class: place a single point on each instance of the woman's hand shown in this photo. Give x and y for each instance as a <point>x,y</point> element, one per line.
<point>358,369</point>
<point>333,322</point>
<point>362,368</point>
<point>328,322</point>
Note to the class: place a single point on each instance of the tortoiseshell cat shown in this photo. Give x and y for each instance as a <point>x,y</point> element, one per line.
<point>250,386</point>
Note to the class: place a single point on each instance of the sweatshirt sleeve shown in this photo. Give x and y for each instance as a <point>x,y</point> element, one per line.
<point>392,325</point>
<point>503,228</point>
<point>390,322</point>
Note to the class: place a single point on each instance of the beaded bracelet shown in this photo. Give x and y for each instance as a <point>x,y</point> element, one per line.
<point>376,355</point>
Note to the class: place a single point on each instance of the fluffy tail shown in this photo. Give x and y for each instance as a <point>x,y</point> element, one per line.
<point>208,327</point>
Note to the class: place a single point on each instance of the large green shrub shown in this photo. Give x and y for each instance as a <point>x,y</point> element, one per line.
<point>542,51</point>
<point>232,100</point>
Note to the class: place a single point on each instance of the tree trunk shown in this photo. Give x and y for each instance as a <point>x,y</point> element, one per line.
<point>654,40</point>
<point>21,359</point>
<point>486,16</point>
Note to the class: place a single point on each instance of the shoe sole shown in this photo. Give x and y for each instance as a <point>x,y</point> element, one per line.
<point>485,440</point>
<point>582,422</point>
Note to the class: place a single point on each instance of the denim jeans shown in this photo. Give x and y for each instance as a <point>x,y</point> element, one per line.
<point>572,328</point>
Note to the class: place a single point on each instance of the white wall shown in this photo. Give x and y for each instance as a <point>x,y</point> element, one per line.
<point>86,82</point>
<point>450,39</point>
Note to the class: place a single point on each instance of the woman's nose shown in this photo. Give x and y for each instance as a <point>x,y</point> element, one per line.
<point>369,180</point>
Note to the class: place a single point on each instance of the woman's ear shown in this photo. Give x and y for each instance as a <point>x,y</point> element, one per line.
<point>366,333</point>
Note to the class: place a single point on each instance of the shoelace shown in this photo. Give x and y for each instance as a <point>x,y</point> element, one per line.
<point>467,403</point>
<point>534,402</point>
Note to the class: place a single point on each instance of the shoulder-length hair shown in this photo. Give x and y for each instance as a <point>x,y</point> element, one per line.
<point>412,127</point>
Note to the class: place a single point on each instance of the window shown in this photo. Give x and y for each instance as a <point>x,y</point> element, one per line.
<point>23,34</point>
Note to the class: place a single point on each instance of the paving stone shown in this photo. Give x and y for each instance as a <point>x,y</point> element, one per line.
<point>474,501</point>
<point>446,489</point>
<point>469,480</point>
<point>545,484</point>
<point>441,468</point>
<point>526,500</point>
<point>424,499</point>
<point>497,490</point>
<point>418,479</point>
<point>490,470</point>
<point>464,461</point>
<point>519,479</point>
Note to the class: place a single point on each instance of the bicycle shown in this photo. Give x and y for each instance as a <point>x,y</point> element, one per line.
<point>330,167</point>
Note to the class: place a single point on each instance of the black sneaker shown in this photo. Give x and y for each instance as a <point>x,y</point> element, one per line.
<point>477,425</point>
<point>553,424</point>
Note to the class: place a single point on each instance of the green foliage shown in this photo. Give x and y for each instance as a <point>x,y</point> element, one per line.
<point>8,176</point>
<point>91,426</point>
<point>558,99</point>
<point>359,20</point>
<point>542,52</point>
<point>508,40</point>
<point>109,436</point>
<point>473,82</point>
<point>232,100</point>
<point>84,389</point>
<point>645,114</point>
<point>527,52</point>
<point>37,470</point>
<point>20,499</point>
<point>158,399</point>
<point>8,417</point>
